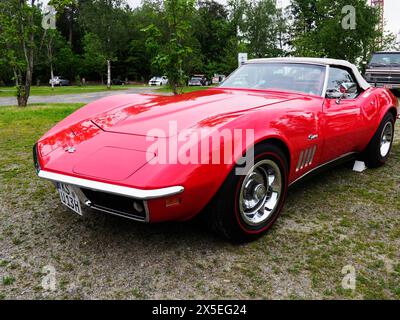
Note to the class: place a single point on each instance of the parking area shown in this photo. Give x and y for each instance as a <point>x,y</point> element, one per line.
<point>84,97</point>
<point>333,222</point>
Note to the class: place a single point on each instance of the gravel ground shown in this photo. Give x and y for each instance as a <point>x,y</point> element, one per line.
<point>340,218</point>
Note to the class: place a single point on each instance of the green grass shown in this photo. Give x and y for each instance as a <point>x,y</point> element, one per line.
<point>8,280</point>
<point>338,218</point>
<point>48,91</point>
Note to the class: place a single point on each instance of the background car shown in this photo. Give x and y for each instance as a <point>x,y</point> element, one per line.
<point>59,81</point>
<point>158,81</point>
<point>218,78</point>
<point>384,70</point>
<point>118,82</point>
<point>198,80</point>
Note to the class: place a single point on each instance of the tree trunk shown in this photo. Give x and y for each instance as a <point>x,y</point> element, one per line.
<point>70,25</point>
<point>174,88</point>
<point>108,74</point>
<point>22,101</point>
<point>23,90</point>
<point>52,75</point>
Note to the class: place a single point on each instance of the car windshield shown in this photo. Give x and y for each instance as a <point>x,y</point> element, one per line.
<point>385,59</point>
<point>305,78</point>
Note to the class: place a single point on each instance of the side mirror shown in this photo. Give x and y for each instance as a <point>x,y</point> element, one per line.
<point>348,88</point>
<point>345,89</point>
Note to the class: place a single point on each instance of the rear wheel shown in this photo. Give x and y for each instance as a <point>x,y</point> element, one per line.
<point>396,92</point>
<point>380,145</point>
<point>247,205</point>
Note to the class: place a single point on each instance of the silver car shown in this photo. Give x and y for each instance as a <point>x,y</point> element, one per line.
<point>59,81</point>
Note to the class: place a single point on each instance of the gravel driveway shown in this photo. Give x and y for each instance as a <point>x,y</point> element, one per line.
<point>76,98</point>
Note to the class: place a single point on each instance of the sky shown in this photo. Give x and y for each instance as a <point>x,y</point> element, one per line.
<point>392,12</point>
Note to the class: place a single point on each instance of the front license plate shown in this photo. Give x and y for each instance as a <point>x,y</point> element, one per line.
<point>69,198</point>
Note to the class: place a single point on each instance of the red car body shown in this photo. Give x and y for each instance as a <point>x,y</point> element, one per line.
<point>108,140</point>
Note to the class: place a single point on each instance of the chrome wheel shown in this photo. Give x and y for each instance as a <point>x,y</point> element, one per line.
<point>260,192</point>
<point>386,139</point>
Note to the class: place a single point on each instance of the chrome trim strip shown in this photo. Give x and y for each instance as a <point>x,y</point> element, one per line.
<point>111,188</point>
<point>322,165</point>
<point>326,81</point>
<point>115,213</point>
<point>303,163</point>
<point>309,156</point>
<point>300,160</point>
<point>312,155</point>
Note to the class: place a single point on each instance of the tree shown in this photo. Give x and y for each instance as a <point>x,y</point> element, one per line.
<point>213,32</point>
<point>19,28</point>
<point>94,59</point>
<point>138,58</point>
<point>107,20</point>
<point>262,28</point>
<point>318,30</point>
<point>68,12</point>
<point>174,42</point>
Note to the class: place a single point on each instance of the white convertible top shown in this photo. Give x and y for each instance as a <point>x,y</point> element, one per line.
<point>320,61</point>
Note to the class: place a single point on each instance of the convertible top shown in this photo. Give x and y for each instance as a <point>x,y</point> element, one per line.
<point>320,61</point>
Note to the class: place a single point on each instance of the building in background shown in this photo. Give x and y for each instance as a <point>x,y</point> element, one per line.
<point>380,5</point>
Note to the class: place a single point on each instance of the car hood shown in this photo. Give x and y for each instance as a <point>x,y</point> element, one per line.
<point>165,116</point>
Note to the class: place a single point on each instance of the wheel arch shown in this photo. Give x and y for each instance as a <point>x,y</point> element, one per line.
<point>280,143</point>
<point>393,111</point>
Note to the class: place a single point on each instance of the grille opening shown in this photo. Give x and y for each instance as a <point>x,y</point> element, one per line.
<point>119,205</point>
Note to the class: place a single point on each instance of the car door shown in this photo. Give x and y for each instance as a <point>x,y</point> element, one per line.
<point>342,119</point>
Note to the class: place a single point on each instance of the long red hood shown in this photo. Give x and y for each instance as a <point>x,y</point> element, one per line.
<point>204,109</point>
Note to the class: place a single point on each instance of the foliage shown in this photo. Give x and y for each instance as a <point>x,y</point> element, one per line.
<point>173,43</point>
<point>94,58</point>
<point>106,21</point>
<point>262,28</point>
<point>318,29</point>
<point>19,28</point>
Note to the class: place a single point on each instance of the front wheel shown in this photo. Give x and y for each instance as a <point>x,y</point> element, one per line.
<point>247,205</point>
<point>378,150</point>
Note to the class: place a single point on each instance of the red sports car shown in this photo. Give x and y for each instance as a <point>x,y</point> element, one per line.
<point>230,151</point>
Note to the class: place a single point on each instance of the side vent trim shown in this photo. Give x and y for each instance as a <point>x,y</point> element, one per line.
<point>306,158</point>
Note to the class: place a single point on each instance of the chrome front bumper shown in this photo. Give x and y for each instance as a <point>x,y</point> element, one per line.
<point>106,197</point>
<point>117,200</point>
<point>141,194</point>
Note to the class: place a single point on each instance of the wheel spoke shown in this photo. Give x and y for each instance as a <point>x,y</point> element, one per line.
<point>260,192</point>
<point>386,139</point>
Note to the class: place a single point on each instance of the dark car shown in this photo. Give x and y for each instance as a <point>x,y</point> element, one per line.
<point>198,80</point>
<point>118,82</point>
<point>384,70</point>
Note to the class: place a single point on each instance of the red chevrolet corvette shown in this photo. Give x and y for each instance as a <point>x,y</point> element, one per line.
<point>232,150</point>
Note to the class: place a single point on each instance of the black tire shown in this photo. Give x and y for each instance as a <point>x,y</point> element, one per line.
<point>396,92</point>
<point>224,214</point>
<point>373,155</point>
